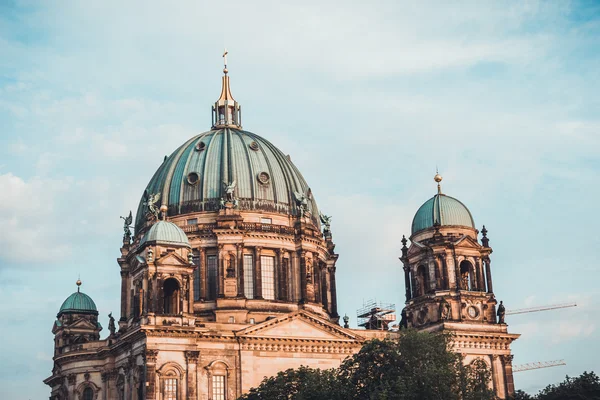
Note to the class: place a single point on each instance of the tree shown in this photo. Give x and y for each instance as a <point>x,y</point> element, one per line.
<point>521,395</point>
<point>417,366</point>
<point>584,387</point>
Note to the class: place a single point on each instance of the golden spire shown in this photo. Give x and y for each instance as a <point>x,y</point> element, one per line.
<point>438,178</point>
<point>226,111</point>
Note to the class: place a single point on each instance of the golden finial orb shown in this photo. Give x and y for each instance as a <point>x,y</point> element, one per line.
<point>164,208</point>
<point>78,283</point>
<point>437,178</point>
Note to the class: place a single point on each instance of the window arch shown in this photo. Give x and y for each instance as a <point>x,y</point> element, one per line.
<point>171,296</point>
<point>87,391</point>
<point>218,372</point>
<point>467,281</point>
<point>170,381</point>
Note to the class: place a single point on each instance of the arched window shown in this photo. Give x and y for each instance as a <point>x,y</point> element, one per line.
<point>466,275</point>
<point>88,393</point>
<point>171,296</point>
<point>217,380</point>
<point>170,376</point>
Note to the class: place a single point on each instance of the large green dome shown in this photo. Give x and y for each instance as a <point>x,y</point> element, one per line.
<point>192,178</point>
<point>444,210</point>
<point>78,302</point>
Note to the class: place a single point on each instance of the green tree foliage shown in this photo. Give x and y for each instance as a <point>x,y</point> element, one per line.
<point>584,387</point>
<point>418,366</point>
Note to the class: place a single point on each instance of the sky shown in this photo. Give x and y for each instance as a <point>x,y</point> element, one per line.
<point>367,98</point>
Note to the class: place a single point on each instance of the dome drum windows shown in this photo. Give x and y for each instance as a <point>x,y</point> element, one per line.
<point>263,177</point>
<point>254,146</point>
<point>200,146</point>
<point>193,178</point>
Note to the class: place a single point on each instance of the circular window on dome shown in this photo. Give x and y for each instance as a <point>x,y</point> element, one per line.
<point>263,178</point>
<point>253,146</point>
<point>193,178</point>
<point>200,146</point>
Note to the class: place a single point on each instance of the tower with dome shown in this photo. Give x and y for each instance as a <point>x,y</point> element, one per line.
<point>229,276</point>
<point>448,286</point>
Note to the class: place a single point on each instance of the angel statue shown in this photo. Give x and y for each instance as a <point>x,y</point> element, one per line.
<point>228,188</point>
<point>326,220</point>
<point>111,324</point>
<point>151,200</point>
<point>301,202</point>
<point>127,227</point>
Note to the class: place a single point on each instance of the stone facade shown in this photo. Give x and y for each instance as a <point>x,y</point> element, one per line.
<point>448,284</point>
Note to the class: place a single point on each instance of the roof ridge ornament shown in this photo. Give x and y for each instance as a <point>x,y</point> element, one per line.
<point>438,178</point>
<point>226,112</point>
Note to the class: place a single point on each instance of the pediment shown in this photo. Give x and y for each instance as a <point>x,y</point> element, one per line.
<point>83,323</point>
<point>299,325</point>
<point>467,242</point>
<point>172,259</point>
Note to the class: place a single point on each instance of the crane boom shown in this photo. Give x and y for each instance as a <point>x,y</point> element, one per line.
<point>538,365</point>
<point>542,308</point>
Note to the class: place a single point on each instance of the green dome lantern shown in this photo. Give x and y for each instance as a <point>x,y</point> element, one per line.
<point>442,210</point>
<point>78,303</point>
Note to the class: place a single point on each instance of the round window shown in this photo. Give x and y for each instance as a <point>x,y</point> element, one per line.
<point>263,177</point>
<point>193,178</point>
<point>200,146</point>
<point>253,146</point>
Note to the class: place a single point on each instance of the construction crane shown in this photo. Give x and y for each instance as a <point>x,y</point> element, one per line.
<point>538,365</point>
<point>376,315</point>
<point>541,308</point>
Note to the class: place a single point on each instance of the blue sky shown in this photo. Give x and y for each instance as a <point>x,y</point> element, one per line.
<point>367,97</point>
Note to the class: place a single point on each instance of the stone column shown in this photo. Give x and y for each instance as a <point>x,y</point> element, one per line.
<point>160,300</point>
<point>328,283</point>
<point>279,268</point>
<point>480,275</point>
<point>150,362</point>
<point>191,359</point>
<point>407,283</point>
<point>432,275</point>
<point>488,275</point>
<point>317,281</point>
<point>145,293</point>
<point>203,284</point>
<point>494,370</point>
<point>508,374</point>
<point>285,265</point>
<point>220,272</point>
<point>240,276</point>
<point>124,292</point>
<point>303,282</point>
<point>498,374</point>
<point>324,287</point>
<point>334,312</point>
<point>451,269</point>
<point>257,274</point>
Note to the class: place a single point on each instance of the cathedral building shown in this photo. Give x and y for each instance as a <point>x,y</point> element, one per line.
<point>230,276</point>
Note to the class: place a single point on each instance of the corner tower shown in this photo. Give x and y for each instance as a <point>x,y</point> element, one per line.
<point>448,283</point>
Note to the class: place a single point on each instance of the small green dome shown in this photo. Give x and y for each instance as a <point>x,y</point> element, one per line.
<point>78,302</point>
<point>167,233</point>
<point>444,210</point>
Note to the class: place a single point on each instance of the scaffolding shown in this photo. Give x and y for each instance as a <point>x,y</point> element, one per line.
<point>376,315</point>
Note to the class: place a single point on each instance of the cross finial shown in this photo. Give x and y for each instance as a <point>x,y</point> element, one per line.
<point>225,61</point>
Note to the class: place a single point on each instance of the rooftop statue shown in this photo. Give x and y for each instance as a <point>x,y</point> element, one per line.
<point>127,227</point>
<point>228,188</point>
<point>151,200</point>
<point>326,220</point>
<point>302,202</point>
